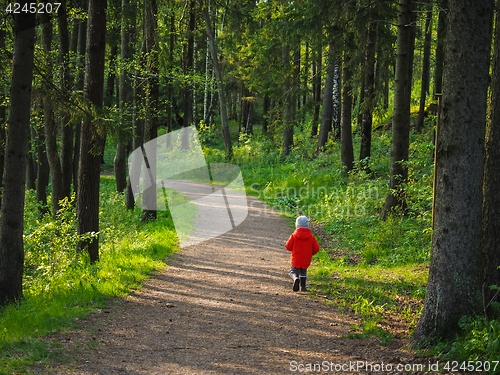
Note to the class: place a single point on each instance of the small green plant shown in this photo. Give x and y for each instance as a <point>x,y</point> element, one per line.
<point>478,343</point>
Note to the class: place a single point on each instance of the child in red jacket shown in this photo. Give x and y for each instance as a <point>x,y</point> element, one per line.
<point>303,246</point>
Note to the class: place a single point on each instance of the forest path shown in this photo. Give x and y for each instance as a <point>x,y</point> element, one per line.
<point>224,306</point>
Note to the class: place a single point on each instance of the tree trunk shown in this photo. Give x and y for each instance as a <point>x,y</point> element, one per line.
<point>367,105</point>
<point>346,149</point>
<point>18,127</point>
<point>151,107</point>
<point>43,172</point>
<point>126,91</point>
<point>67,127</point>
<point>454,287</point>
<point>90,157</point>
<point>491,182</point>
<point>220,85</point>
<point>326,108</point>
<point>49,122</point>
<point>82,42</point>
<point>188,64</point>
<point>170,85</point>
<point>441,38</point>
<point>337,99</point>
<point>137,140</point>
<point>3,119</point>
<point>317,91</point>
<point>288,103</point>
<point>401,119</point>
<point>31,162</point>
<point>425,69</point>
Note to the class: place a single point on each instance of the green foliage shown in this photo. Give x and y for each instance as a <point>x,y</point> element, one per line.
<point>479,343</point>
<point>61,285</point>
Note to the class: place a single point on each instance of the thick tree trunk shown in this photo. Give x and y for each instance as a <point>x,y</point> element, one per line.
<point>455,281</point>
<point>90,157</point>
<point>367,105</point>
<point>12,209</point>
<point>491,182</point>
<point>425,69</point>
<point>326,108</point>
<point>346,149</point>
<point>401,119</point>
<point>220,85</point>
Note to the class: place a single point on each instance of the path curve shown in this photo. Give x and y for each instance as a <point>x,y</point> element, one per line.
<point>224,306</point>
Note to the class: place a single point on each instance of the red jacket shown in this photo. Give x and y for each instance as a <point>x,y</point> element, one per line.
<point>303,246</point>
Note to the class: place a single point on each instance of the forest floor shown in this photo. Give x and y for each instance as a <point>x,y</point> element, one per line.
<point>225,306</point>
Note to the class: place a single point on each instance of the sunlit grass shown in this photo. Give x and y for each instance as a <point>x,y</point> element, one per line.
<point>61,285</point>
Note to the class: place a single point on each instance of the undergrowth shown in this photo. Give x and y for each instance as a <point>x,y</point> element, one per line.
<point>61,285</point>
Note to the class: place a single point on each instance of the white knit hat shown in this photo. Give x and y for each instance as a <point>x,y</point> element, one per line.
<point>302,222</point>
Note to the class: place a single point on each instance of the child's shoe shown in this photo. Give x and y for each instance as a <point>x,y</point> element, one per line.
<point>302,285</point>
<point>296,282</point>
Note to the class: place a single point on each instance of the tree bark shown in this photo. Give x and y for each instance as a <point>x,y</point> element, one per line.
<point>220,85</point>
<point>454,287</point>
<point>491,182</point>
<point>326,108</point>
<point>401,119</point>
<point>90,149</point>
<point>14,178</point>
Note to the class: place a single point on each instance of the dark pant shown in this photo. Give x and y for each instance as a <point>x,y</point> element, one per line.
<point>298,272</point>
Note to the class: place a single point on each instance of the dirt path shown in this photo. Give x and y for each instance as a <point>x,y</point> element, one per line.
<point>221,307</point>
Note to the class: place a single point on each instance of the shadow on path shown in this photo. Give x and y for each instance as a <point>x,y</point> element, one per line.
<point>224,306</point>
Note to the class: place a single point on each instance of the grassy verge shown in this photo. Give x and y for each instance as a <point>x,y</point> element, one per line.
<point>60,286</point>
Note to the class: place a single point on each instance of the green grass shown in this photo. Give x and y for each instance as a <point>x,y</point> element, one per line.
<point>60,285</point>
